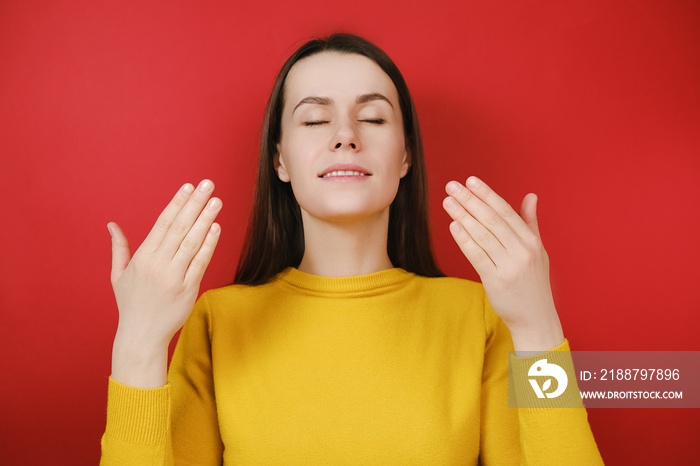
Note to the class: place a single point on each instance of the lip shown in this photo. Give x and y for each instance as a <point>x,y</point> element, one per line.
<point>345,167</point>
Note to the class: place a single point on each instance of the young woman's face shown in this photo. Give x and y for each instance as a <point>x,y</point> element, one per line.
<point>342,145</point>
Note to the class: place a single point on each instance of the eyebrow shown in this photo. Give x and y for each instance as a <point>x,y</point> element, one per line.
<point>362,99</point>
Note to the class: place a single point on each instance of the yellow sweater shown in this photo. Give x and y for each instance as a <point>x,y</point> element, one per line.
<point>387,368</point>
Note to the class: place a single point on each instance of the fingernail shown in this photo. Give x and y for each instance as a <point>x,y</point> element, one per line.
<point>110,230</point>
<point>187,188</point>
<point>213,204</point>
<point>205,186</point>
<point>214,229</point>
<point>473,182</point>
<point>452,187</point>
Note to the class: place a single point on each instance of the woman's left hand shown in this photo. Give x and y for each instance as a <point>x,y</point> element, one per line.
<point>506,250</point>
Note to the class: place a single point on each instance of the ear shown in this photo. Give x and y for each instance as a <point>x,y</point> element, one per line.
<point>281,170</point>
<point>406,163</point>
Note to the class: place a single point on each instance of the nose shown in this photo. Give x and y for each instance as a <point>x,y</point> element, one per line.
<point>345,137</point>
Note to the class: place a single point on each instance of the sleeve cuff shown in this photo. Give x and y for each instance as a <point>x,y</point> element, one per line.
<point>138,415</point>
<point>522,374</point>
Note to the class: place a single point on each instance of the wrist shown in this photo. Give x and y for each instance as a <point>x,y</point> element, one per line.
<point>537,338</point>
<point>140,364</point>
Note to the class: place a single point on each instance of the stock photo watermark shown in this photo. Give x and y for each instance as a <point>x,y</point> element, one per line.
<point>605,379</point>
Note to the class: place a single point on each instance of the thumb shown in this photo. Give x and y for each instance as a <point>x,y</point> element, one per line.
<point>528,212</point>
<point>121,255</point>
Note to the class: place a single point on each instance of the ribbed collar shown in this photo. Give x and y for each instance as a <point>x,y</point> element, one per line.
<point>369,283</point>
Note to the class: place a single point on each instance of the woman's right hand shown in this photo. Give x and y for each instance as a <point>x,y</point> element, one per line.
<point>156,288</point>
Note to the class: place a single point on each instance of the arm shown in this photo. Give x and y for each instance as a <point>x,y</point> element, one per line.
<point>155,292</point>
<point>506,250</point>
<point>550,434</point>
<point>194,419</point>
<point>148,426</point>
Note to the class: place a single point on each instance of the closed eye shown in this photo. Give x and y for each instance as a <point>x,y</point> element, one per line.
<point>378,121</point>
<point>314,123</point>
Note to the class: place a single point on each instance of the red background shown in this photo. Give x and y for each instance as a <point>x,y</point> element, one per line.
<point>106,108</point>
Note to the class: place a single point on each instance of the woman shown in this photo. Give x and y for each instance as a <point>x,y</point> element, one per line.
<point>341,342</point>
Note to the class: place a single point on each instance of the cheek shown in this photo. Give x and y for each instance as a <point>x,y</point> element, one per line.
<point>396,148</point>
<point>300,150</point>
<point>289,151</point>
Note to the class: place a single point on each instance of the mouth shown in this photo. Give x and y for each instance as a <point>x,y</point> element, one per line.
<point>344,173</point>
<point>344,170</point>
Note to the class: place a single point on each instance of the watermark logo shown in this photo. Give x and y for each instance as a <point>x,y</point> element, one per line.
<point>604,379</point>
<point>543,368</point>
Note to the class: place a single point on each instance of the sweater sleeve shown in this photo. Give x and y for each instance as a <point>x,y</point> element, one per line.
<point>176,423</point>
<point>547,434</point>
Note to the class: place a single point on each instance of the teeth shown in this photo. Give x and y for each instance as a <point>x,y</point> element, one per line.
<point>343,173</point>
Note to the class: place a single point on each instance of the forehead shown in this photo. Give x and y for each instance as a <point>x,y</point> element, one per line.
<point>337,75</point>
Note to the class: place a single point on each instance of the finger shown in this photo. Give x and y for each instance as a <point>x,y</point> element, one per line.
<point>528,212</point>
<point>121,254</point>
<point>498,204</point>
<point>483,213</point>
<point>197,234</point>
<point>165,219</point>
<point>476,231</point>
<point>201,260</point>
<point>473,252</point>
<point>186,218</point>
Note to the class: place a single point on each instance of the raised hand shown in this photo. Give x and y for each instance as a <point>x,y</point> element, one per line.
<point>157,287</point>
<point>506,250</point>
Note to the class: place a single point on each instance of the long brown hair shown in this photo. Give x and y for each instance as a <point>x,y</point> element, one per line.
<point>275,236</point>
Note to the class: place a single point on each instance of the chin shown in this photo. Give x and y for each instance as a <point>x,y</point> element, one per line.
<point>349,213</point>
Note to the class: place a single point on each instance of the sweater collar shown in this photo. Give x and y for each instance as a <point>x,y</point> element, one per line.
<point>371,282</point>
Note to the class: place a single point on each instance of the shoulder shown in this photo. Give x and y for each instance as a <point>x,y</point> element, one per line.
<point>452,287</point>
<point>459,302</point>
<point>235,294</point>
<point>451,296</point>
<point>451,282</point>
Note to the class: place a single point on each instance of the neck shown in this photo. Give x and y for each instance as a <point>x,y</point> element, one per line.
<point>345,248</point>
